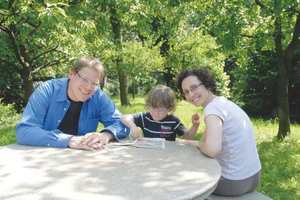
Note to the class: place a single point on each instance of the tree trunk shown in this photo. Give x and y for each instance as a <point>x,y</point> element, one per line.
<point>282,98</point>
<point>283,101</point>
<point>116,31</point>
<point>133,89</point>
<point>289,55</point>
<point>27,87</point>
<point>26,72</point>
<point>164,51</point>
<point>133,82</point>
<point>22,56</point>
<point>158,23</point>
<point>123,87</point>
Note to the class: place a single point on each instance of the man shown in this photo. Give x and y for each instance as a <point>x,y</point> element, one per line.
<point>65,112</point>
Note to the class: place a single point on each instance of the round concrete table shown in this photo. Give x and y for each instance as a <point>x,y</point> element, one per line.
<point>179,171</point>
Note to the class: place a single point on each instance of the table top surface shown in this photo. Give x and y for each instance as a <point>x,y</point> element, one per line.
<point>179,171</point>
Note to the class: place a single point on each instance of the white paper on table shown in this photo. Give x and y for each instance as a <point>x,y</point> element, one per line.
<point>152,143</point>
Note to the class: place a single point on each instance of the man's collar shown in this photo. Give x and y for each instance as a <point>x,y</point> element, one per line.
<point>62,93</point>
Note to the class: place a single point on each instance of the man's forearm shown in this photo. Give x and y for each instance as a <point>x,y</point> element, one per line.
<point>118,130</point>
<point>29,135</point>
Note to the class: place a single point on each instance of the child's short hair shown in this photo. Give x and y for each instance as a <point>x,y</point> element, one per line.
<point>161,96</point>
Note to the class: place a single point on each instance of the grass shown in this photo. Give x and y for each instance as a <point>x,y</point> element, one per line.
<point>280,178</point>
<point>7,135</point>
<point>280,160</point>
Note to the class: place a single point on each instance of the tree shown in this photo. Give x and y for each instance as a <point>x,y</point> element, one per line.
<point>243,27</point>
<point>120,23</point>
<point>140,61</point>
<point>109,18</point>
<point>193,49</point>
<point>286,40</point>
<point>29,33</point>
<point>164,18</point>
<point>117,39</point>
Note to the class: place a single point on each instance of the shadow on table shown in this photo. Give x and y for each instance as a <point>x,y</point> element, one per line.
<point>86,174</point>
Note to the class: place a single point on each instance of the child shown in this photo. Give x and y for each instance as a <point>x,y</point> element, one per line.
<point>159,122</point>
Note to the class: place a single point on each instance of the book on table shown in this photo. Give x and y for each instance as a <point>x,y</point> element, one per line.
<point>152,143</point>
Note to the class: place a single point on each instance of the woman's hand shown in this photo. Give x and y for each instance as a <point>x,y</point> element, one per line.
<point>196,119</point>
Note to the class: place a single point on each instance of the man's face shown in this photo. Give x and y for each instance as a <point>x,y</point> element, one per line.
<point>83,84</point>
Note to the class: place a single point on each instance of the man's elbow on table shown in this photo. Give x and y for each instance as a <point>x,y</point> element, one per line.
<point>20,135</point>
<point>24,137</point>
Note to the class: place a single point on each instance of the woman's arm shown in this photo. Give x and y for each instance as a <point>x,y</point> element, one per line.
<point>211,143</point>
<point>189,134</point>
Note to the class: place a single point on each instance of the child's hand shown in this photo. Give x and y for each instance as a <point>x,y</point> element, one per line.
<point>136,132</point>
<point>196,119</point>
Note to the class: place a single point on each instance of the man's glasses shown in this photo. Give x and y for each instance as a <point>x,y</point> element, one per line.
<point>193,88</point>
<point>87,81</point>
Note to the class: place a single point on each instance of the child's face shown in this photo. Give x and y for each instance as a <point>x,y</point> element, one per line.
<point>158,114</point>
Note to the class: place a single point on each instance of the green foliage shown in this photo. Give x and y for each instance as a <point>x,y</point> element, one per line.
<point>10,84</point>
<point>244,27</point>
<point>137,57</point>
<point>225,20</point>
<point>33,39</point>
<point>140,62</point>
<point>84,28</point>
<point>255,84</point>
<point>8,115</point>
<point>193,49</point>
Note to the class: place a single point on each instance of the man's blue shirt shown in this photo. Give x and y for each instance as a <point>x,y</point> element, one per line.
<point>47,106</point>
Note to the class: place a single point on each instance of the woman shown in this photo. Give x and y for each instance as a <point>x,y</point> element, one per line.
<point>228,136</point>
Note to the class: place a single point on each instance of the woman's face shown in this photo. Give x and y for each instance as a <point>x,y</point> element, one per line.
<point>195,92</point>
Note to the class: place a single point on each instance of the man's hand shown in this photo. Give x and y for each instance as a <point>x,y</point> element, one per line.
<point>75,143</point>
<point>96,141</point>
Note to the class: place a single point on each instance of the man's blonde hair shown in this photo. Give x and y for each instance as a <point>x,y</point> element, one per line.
<point>89,62</point>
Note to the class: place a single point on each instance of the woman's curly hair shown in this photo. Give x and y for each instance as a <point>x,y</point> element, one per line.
<point>202,74</point>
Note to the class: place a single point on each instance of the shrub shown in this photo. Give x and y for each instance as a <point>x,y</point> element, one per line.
<point>8,115</point>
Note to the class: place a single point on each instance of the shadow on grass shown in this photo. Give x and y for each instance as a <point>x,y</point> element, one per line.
<point>280,169</point>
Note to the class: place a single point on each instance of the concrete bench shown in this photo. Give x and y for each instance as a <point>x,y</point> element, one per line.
<point>249,196</point>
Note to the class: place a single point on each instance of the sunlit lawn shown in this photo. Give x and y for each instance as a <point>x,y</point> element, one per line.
<point>280,160</point>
